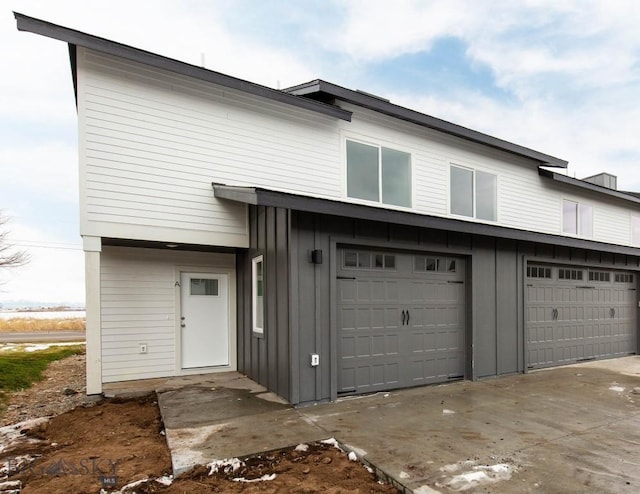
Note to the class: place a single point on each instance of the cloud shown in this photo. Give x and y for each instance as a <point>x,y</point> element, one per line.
<point>559,77</point>
<point>55,272</point>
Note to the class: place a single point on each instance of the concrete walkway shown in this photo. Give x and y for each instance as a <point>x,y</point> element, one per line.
<point>569,429</point>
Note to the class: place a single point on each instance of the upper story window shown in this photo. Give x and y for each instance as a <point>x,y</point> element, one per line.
<point>474,193</point>
<point>577,218</point>
<point>376,173</point>
<point>635,230</point>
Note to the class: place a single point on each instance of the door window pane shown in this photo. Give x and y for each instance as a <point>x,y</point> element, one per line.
<point>203,287</point>
<point>486,191</point>
<point>396,177</point>
<point>389,262</point>
<point>364,260</point>
<point>362,171</point>
<point>461,191</point>
<point>350,259</point>
<point>569,217</point>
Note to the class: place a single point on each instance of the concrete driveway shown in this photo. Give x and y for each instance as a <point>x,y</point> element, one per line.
<point>564,430</point>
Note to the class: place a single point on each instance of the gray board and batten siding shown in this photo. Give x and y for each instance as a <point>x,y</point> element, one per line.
<point>305,302</point>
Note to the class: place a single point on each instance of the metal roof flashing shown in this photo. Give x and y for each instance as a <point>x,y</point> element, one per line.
<point>316,95</point>
<point>267,197</point>
<point>78,38</point>
<point>633,197</point>
<point>319,89</point>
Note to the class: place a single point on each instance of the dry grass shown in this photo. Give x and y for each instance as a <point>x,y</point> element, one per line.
<point>30,324</point>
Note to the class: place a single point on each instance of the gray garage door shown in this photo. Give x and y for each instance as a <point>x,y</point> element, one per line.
<point>401,320</point>
<point>575,314</point>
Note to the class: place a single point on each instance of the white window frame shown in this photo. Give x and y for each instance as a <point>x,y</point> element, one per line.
<point>580,207</point>
<point>378,146</point>
<point>254,294</point>
<point>474,192</point>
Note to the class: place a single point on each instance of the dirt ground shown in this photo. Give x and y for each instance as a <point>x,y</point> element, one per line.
<point>112,443</point>
<point>61,390</point>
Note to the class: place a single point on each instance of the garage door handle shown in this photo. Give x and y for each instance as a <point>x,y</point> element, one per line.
<point>612,312</point>
<point>408,317</point>
<point>403,315</point>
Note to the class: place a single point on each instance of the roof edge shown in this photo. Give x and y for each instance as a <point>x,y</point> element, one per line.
<point>576,182</point>
<point>267,197</point>
<point>380,105</point>
<point>79,38</point>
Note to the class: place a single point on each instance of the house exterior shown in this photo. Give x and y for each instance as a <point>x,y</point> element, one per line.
<point>324,241</point>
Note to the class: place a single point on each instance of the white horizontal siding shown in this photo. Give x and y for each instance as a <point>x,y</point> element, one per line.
<point>152,142</point>
<point>526,201</point>
<point>138,305</point>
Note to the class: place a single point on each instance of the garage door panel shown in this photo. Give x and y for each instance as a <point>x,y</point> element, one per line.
<point>584,320</point>
<point>367,377</point>
<point>402,327</point>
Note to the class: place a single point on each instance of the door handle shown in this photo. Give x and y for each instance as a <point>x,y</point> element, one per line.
<point>403,315</point>
<point>612,312</point>
<point>408,317</point>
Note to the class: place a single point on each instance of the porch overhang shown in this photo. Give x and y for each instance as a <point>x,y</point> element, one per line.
<point>267,197</point>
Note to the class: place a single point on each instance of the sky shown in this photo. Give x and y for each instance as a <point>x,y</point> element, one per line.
<point>562,78</point>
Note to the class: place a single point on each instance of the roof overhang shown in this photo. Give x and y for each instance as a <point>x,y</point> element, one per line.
<point>78,38</point>
<point>265,197</point>
<point>574,182</point>
<point>326,91</point>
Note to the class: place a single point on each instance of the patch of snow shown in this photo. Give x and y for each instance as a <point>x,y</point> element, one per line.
<point>331,442</point>
<point>226,465</point>
<point>352,456</point>
<point>265,477</point>
<point>165,480</point>
<point>132,485</point>
<point>500,468</point>
<point>11,465</point>
<point>368,468</point>
<point>617,389</point>
<point>479,475</point>
<point>45,346</point>
<point>359,451</point>
<point>10,486</point>
<point>448,412</point>
<point>14,434</point>
<point>404,475</point>
<point>425,489</point>
<point>302,448</point>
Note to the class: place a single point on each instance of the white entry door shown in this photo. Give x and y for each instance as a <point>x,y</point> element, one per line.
<point>204,320</point>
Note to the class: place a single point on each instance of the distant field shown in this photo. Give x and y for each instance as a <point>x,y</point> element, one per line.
<point>31,324</point>
<point>43,314</point>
